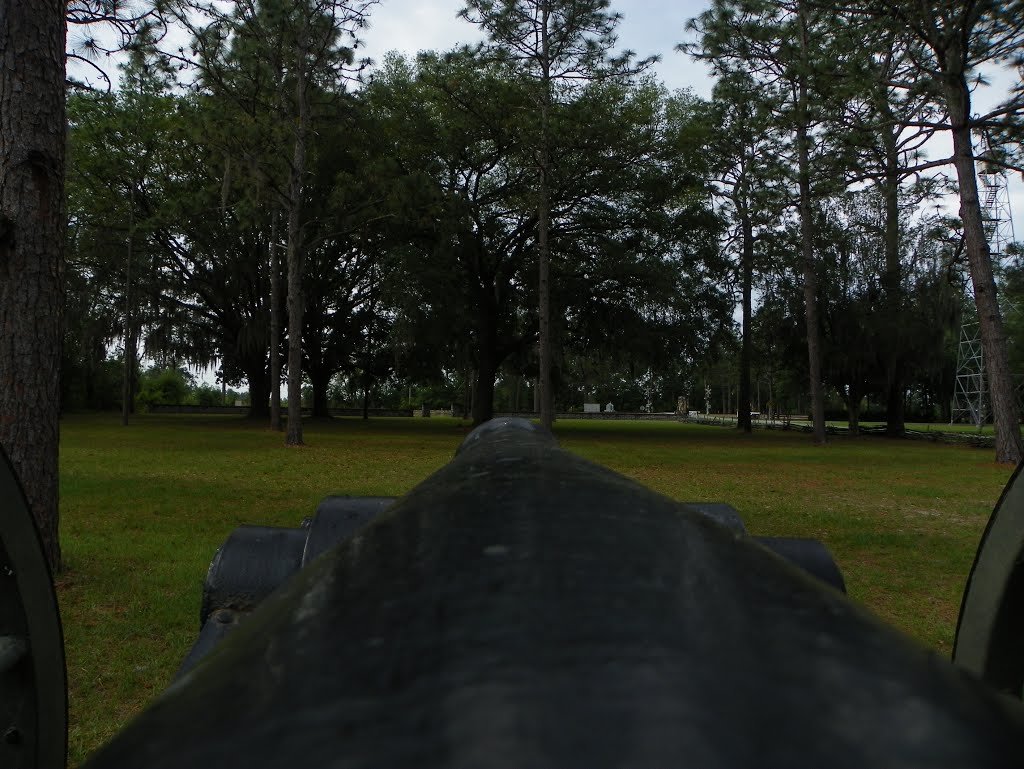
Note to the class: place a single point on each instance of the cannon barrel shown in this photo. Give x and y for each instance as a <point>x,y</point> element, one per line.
<point>525,607</point>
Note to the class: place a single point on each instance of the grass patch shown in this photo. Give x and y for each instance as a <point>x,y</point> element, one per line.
<point>145,507</point>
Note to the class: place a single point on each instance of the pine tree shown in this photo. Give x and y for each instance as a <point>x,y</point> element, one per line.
<point>748,178</point>
<point>32,235</point>
<point>557,43</point>
<point>293,50</point>
<point>790,47</point>
<point>955,38</point>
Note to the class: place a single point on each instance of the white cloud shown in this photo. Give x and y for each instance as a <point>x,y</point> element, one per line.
<point>649,27</point>
<point>411,26</point>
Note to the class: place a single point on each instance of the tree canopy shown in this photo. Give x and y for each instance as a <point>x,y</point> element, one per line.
<point>464,226</point>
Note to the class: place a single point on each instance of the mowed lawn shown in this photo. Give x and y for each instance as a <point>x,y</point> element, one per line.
<point>145,507</point>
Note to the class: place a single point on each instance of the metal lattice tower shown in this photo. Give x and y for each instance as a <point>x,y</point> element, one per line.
<point>969,401</point>
<point>970,397</point>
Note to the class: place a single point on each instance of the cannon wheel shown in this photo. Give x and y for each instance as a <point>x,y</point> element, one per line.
<point>990,632</point>
<point>33,677</point>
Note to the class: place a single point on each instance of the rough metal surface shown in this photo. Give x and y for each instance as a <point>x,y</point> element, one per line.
<point>810,555</point>
<point>251,564</point>
<point>523,607</point>
<point>337,519</point>
<point>33,681</point>
<point>723,513</point>
<point>990,631</point>
<point>217,627</point>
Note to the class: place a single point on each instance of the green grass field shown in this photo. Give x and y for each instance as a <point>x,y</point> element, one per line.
<point>145,507</point>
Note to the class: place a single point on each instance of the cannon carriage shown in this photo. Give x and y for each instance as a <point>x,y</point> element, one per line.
<point>523,606</point>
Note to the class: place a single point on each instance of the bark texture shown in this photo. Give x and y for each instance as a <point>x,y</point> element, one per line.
<point>810,290</point>
<point>275,329</point>
<point>487,360</point>
<point>130,336</point>
<point>803,144</point>
<point>295,296</point>
<point>743,420</point>
<point>1005,409</point>
<point>32,232</point>
<point>893,345</point>
<point>259,388</point>
<point>320,381</point>
<point>547,416</point>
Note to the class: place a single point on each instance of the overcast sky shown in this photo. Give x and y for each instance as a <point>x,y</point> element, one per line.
<point>649,27</point>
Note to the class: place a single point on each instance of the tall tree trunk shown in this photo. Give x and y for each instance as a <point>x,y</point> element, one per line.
<point>486,366</point>
<point>32,233</point>
<point>130,352</point>
<point>814,353</point>
<point>892,342</point>
<point>543,224</point>
<point>946,405</point>
<point>320,380</point>
<point>259,390</point>
<point>544,381</point>
<point>853,399</point>
<point>1005,409</point>
<point>367,380</point>
<point>295,297</point>
<point>275,328</point>
<point>743,421</point>
<point>896,401</point>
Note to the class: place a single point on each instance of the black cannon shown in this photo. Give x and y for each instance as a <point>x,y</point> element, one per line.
<point>33,680</point>
<point>256,560</point>
<point>523,606</point>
